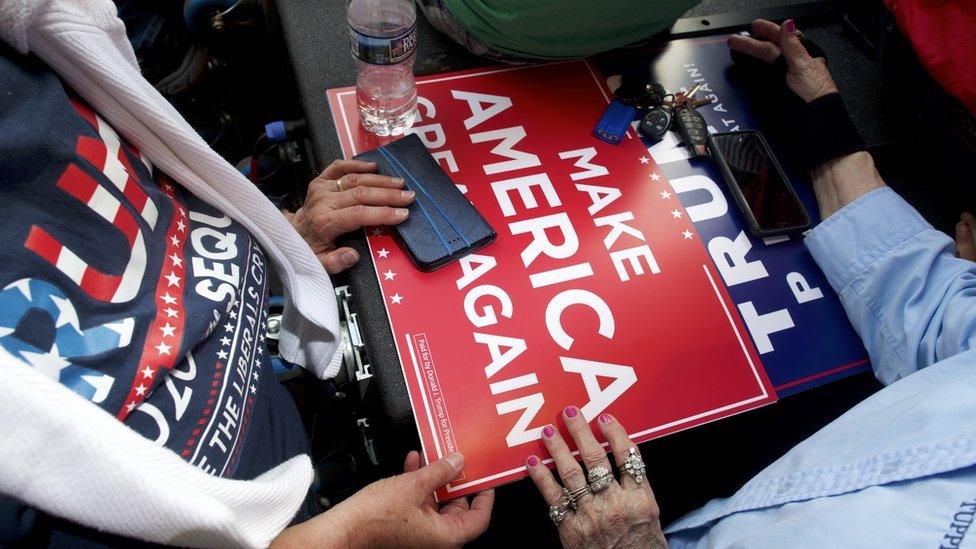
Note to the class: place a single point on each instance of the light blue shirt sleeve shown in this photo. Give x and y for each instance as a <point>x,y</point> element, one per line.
<point>907,295</point>
<point>899,469</point>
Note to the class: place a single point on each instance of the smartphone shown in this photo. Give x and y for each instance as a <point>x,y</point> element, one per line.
<point>758,183</point>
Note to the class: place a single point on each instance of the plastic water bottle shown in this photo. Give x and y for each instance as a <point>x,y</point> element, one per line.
<point>383,37</point>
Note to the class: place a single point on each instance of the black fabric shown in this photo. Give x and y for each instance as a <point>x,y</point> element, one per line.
<point>826,130</point>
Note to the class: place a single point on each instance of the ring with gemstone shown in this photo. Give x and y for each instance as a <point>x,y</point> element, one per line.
<point>600,479</point>
<point>633,465</point>
<point>556,514</point>
<point>571,499</point>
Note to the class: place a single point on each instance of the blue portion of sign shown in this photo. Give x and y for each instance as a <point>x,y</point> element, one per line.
<point>794,317</point>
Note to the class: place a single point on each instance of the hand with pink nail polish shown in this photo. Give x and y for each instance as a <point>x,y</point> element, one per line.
<point>807,77</point>
<point>621,514</point>
<point>399,511</point>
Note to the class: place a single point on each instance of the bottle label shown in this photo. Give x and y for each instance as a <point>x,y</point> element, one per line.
<point>383,51</point>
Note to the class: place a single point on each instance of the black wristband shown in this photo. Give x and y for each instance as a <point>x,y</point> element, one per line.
<point>824,131</point>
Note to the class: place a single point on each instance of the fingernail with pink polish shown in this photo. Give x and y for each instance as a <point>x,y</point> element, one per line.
<point>790,26</point>
<point>548,431</point>
<point>532,461</point>
<point>605,418</point>
<point>570,411</point>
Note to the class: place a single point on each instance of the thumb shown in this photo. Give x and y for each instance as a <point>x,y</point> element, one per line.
<point>439,473</point>
<point>790,45</point>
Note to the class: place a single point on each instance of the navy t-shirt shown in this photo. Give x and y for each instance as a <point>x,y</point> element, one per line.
<point>130,291</point>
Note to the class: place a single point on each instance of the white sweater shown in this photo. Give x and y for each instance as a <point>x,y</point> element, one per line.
<point>68,457</point>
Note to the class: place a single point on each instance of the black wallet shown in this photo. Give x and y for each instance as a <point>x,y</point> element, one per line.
<point>443,225</point>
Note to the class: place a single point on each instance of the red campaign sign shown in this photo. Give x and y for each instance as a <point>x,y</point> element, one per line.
<point>597,292</point>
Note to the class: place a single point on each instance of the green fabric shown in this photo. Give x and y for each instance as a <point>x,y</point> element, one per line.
<point>549,29</point>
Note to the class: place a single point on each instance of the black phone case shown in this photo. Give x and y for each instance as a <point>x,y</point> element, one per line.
<point>741,200</point>
<point>443,225</point>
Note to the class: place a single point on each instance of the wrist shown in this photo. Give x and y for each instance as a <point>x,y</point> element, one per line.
<point>332,529</point>
<point>843,180</point>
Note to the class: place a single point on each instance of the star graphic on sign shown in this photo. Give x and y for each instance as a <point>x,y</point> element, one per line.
<point>644,160</point>
<point>168,299</point>
<point>177,262</point>
<point>383,253</point>
<point>222,355</point>
<point>233,313</point>
<point>665,195</point>
<point>388,275</point>
<point>224,341</point>
<point>172,279</point>
<point>687,234</point>
<point>170,312</point>
<point>147,372</point>
<point>655,177</point>
<point>174,240</point>
<point>167,186</point>
<point>377,232</point>
<point>163,348</point>
<point>141,390</point>
<point>228,327</point>
<point>168,330</point>
<point>676,214</point>
<point>182,211</point>
<point>396,298</point>
<point>180,226</point>
<point>130,406</point>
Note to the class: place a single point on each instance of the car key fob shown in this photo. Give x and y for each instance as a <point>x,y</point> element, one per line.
<point>655,123</point>
<point>693,130</point>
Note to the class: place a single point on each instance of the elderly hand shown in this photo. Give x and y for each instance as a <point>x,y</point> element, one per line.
<point>345,197</point>
<point>399,511</point>
<point>966,237</point>
<point>807,77</point>
<point>623,514</point>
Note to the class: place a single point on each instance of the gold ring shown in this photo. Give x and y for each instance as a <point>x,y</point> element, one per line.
<point>339,184</point>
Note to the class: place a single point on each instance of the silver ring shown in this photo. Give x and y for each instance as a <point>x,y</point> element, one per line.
<point>570,499</point>
<point>600,479</point>
<point>556,515</point>
<point>339,184</point>
<point>633,465</point>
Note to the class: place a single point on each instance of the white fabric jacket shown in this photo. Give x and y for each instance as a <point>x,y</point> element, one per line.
<point>68,457</point>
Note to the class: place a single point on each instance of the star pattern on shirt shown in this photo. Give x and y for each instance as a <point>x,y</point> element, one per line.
<point>163,349</point>
<point>665,195</point>
<point>687,234</point>
<point>655,177</point>
<point>172,279</point>
<point>174,240</point>
<point>676,214</point>
<point>141,390</point>
<point>232,314</point>
<point>383,253</point>
<point>147,372</point>
<point>396,298</point>
<point>171,312</point>
<point>177,261</point>
<point>180,226</point>
<point>168,299</point>
<point>229,327</point>
<point>224,341</point>
<point>222,354</point>
<point>168,330</point>
<point>389,275</point>
<point>644,160</point>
